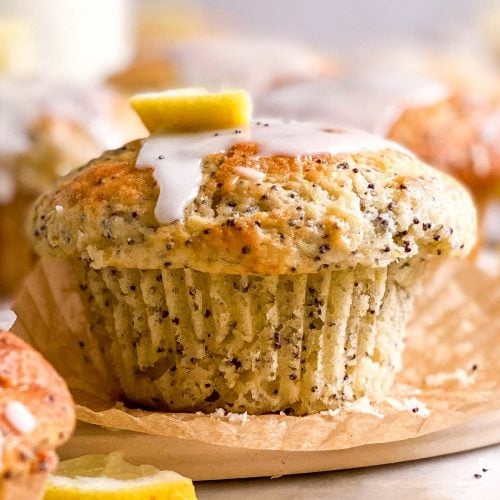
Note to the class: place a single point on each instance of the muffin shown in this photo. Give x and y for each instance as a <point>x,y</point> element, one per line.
<point>47,129</point>
<point>221,62</point>
<point>453,125</point>
<point>36,416</point>
<point>460,135</point>
<point>264,269</point>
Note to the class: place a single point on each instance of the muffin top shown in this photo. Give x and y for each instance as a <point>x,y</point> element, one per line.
<point>274,199</point>
<point>36,409</point>
<point>459,134</point>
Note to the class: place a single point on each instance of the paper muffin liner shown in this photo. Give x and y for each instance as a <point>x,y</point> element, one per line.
<point>16,254</point>
<point>451,368</point>
<point>183,340</point>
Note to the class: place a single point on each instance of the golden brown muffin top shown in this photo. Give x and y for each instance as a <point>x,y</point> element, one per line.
<point>307,214</point>
<point>36,409</point>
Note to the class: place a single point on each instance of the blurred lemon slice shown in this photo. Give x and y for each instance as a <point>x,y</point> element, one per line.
<point>192,110</point>
<point>16,47</point>
<point>109,477</point>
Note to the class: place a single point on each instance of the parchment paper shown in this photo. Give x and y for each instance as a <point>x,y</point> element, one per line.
<point>451,374</point>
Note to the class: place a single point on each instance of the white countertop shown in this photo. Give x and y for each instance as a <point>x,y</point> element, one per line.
<point>450,477</point>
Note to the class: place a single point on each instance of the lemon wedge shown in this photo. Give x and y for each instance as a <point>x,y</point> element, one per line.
<point>109,477</point>
<point>193,110</point>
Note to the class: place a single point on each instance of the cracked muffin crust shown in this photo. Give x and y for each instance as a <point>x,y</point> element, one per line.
<point>306,214</point>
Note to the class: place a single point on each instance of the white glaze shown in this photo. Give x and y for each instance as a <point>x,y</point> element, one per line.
<point>18,415</point>
<point>370,102</point>
<point>24,101</point>
<point>176,158</point>
<point>250,173</point>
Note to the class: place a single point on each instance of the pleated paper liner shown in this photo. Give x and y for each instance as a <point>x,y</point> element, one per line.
<point>187,339</point>
<point>451,376</point>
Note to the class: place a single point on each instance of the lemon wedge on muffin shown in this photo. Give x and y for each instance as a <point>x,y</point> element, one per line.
<point>192,110</point>
<point>109,477</point>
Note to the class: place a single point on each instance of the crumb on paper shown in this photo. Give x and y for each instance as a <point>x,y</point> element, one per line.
<point>408,390</point>
<point>219,412</point>
<point>459,375</point>
<point>330,412</point>
<point>241,418</point>
<point>362,405</point>
<point>409,404</point>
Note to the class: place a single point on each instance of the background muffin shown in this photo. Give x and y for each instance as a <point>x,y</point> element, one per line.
<point>36,416</point>
<point>219,62</point>
<point>285,286</point>
<point>47,129</point>
<point>460,135</point>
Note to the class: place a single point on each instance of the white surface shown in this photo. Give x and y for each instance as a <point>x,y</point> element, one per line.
<point>83,40</point>
<point>344,24</point>
<point>450,477</point>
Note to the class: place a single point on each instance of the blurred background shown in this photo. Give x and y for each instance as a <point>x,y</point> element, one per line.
<point>425,74</point>
<point>87,38</point>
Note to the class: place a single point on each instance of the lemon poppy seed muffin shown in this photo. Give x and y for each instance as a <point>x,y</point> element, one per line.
<point>282,283</point>
<point>460,134</point>
<point>47,128</point>
<point>36,416</point>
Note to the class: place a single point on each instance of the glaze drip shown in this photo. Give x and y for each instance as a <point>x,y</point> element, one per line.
<point>176,159</point>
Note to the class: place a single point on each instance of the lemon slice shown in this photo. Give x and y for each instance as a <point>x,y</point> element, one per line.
<point>192,110</point>
<point>109,477</point>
